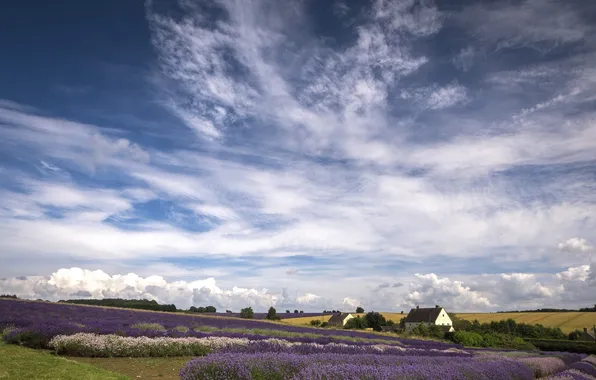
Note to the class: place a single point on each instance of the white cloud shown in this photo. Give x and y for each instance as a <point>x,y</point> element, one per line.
<point>313,152</point>
<point>429,289</point>
<point>575,244</point>
<point>540,24</point>
<point>438,97</point>
<point>68,283</point>
<point>464,59</point>
<point>521,286</point>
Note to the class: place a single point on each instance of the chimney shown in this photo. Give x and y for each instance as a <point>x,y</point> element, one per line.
<point>585,329</point>
<point>437,306</point>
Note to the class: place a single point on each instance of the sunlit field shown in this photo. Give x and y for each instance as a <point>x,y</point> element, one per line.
<point>73,341</point>
<point>567,322</point>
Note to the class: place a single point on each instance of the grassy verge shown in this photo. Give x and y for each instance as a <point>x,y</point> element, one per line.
<point>140,368</point>
<point>19,363</point>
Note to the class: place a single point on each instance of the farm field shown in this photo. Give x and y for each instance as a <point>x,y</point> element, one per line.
<point>395,317</point>
<point>567,321</point>
<point>101,343</point>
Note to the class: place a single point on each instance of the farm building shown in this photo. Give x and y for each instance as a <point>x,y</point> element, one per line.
<point>340,319</point>
<point>429,316</point>
<point>588,335</point>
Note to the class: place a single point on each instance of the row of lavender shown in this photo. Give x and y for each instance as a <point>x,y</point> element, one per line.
<point>50,319</point>
<point>276,365</point>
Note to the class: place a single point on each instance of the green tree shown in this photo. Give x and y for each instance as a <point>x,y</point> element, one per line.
<point>436,332</point>
<point>356,323</point>
<point>359,309</point>
<point>421,330</point>
<point>375,320</point>
<point>272,314</point>
<point>315,322</point>
<point>210,309</point>
<point>246,313</point>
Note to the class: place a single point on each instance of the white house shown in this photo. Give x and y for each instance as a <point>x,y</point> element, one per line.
<point>429,316</point>
<point>340,319</point>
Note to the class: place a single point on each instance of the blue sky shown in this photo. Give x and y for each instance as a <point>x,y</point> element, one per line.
<point>310,155</point>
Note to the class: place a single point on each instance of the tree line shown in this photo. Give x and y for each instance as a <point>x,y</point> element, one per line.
<point>142,304</point>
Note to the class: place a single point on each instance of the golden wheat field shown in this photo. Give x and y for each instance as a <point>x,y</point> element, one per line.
<point>567,322</point>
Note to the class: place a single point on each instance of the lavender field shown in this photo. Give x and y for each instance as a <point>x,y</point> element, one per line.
<point>230,348</point>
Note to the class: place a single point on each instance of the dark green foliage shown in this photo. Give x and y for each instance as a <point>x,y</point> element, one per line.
<point>375,320</point>
<point>324,324</point>
<point>14,296</point>
<point>118,302</point>
<point>301,311</point>
<point>509,327</point>
<point>287,311</point>
<point>295,311</point>
<point>574,335</point>
<point>315,322</point>
<point>402,323</point>
<point>246,313</point>
<point>436,332</point>
<point>564,345</point>
<point>201,309</point>
<point>468,338</point>
<point>356,323</point>
<point>272,314</point>
<point>359,309</point>
<point>31,339</point>
<point>496,340</point>
<point>421,330</point>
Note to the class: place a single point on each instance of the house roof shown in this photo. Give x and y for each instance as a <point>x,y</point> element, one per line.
<point>428,314</point>
<point>338,318</point>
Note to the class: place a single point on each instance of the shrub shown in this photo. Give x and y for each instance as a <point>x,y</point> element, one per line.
<point>246,313</point>
<point>356,323</point>
<point>28,338</point>
<point>324,324</point>
<point>469,339</point>
<point>564,345</point>
<point>375,320</point>
<point>272,314</point>
<point>315,322</point>
<point>421,330</point>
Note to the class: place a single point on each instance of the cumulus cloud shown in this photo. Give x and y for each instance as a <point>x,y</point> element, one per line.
<point>82,283</point>
<point>575,245</point>
<point>521,286</point>
<point>430,289</point>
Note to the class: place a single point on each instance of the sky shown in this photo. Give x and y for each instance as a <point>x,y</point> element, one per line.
<point>300,154</point>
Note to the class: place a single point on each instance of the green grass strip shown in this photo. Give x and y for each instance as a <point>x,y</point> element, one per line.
<point>20,363</point>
